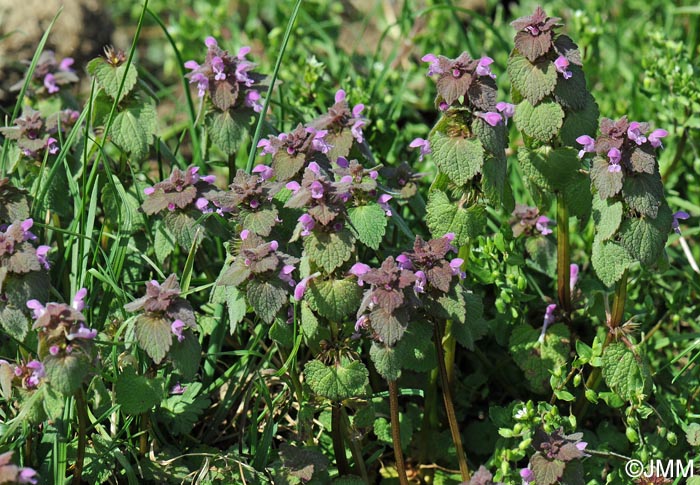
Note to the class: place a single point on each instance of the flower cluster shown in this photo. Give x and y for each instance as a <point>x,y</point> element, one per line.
<point>17,254</point>
<point>340,117</point>
<point>229,80</point>
<point>465,83</point>
<point>527,220</point>
<point>181,191</point>
<point>10,473</point>
<point>36,135</point>
<point>402,178</point>
<point>62,328</point>
<point>25,375</point>
<point>162,311</point>
<point>623,144</point>
<point>400,286</point>
<point>50,74</point>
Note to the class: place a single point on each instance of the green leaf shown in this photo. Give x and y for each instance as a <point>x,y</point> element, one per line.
<point>571,93</point>
<point>550,170</point>
<point>185,356</point>
<point>227,129</point>
<point>608,184</point>
<point>416,350</point>
<point>547,472</point>
<point>334,299</point>
<point>386,361</point>
<point>182,411</point>
<point>110,77</point>
<point>285,165</point>
<point>458,157</point>
<point>533,80</point>
<point>312,330</point>
<point>154,336</point>
<point>540,122</point>
<point>494,182</point>
<point>184,228</point>
<point>382,428</point>
<point>582,122</point>
<point>494,139</point>
<point>543,254</point>
<point>609,261</point>
<point>443,216</point>
<point>644,193</point>
<point>134,126</point>
<point>234,300</point>
<point>644,237</point>
<point>259,222</point>
<point>66,373</point>
<point>341,144</point>
<point>138,394</point>
<point>537,360</point>
<point>625,373</point>
<point>163,241</point>
<point>475,326</point>
<point>329,249</point>
<point>607,217</point>
<point>369,223</point>
<point>14,322</point>
<point>303,465</point>
<point>577,195</point>
<point>266,298</point>
<point>337,381</point>
<point>692,434</point>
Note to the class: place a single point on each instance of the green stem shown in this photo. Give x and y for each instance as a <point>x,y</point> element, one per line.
<point>430,416</point>
<point>355,447</point>
<point>215,341</point>
<point>396,431</point>
<point>338,445</point>
<point>616,316</point>
<point>81,408</point>
<point>449,405</point>
<point>563,258</point>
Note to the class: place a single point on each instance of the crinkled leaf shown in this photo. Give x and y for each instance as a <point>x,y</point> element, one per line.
<point>494,182</point>
<point>303,463</point>
<point>185,356</point>
<point>483,93</point>
<point>285,165</point>
<point>234,274</point>
<point>224,94</point>
<point>692,434</point>
<point>415,350</point>
<point>337,381</point>
<point>184,228</point>
<point>547,472</point>
<point>573,474</point>
<point>458,157</point>
<point>608,184</point>
<point>14,322</point>
<point>607,217</point>
<point>580,122</point>
<point>334,299</point>
<point>227,129</point>
<point>609,261</point>
<point>386,360</point>
<point>625,373</point>
<point>341,144</point>
<point>138,394</point>
<point>571,93</point>
<point>444,216</point>
<point>389,328</point>
<point>259,222</point>
<point>643,159</point>
<point>134,126</point>
<point>159,200</point>
<point>645,237</point>
<point>540,122</point>
<point>474,326</point>
<point>533,80</point>
<point>329,249</point>
<point>163,242</point>
<point>577,194</point>
<point>24,287</point>
<point>182,411</point>
<point>644,193</point>
<point>14,203</point>
<point>537,360</point>
<point>311,329</point>
<point>533,46</point>
<point>23,261</point>
<point>550,170</point>
<point>110,77</point>
<point>266,298</point>
<point>494,139</point>
<point>154,336</point>
<point>543,254</point>
<point>66,373</point>
<point>568,48</point>
<point>369,223</point>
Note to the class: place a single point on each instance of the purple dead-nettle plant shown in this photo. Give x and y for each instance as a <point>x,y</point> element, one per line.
<point>229,80</point>
<point>164,317</point>
<point>183,190</point>
<point>25,375</point>
<point>465,83</point>
<point>264,272</point>
<point>535,35</point>
<point>62,328</point>
<point>36,136</point>
<point>401,179</point>
<point>50,74</point>
<point>433,270</point>
<point>10,473</point>
<point>553,452</point>
<point>18,255</point>
<point>527,220</point>
<point>341,119</point>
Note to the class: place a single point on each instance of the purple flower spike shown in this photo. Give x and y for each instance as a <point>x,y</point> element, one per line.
<point>573,276</point>
<point>614,155</point>
<point>491,117</point>
<point>293,186</point>
<point>177,389</point>
<point>483,68</point>
<point>316,189</point>
<point>359,270</point>
<point>193,65</point>
<point>542,225</point>
<point>27,475</point>
<point>50,84</point>
<point>383,202</point>
<point>177,328</point>
<point>404,262</point>
<point>634,134</point>
<point>527,475</point>
<point>252,100</point>
<point>560,65</point>
<point>588,145</point>
<point>507,110</point>
<point>149,190</point>
<point>78,299</point>
<point>66,64</point>
<point>52,145</point>
<point>456,266</point>
<point>300,288</point>
<point>307,224</point>
<point>267,148</point>
<point>210,42</point>
<point>361,323</point>
<point>424,146</point>
<point>87,333</point>
<point>356,130</point>
<point>41,254</point>
<point>655,137</point>
<point>677,217</point>
<point>202,204</point>
<point>421,281</point>
<point>434,67</point>
<point>339,96</point>
<point>313,166</point>
<point>265,171</point>
<point>548,320</point>
<point>285,274</point>
<point>36,307</point>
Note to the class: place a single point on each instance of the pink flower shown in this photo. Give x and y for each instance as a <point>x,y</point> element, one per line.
<point>316,189</point>
<point>421,281</point>
<point>307,224</point>
<point>548,320</point>
<point>78,300</point>
<point>483,68</point>
<point>424,146</point>
<point>265,171</point>
<point>542,225</point>
<point>83,333</point>
<point>383,202</point>
<point>27,475</point>
<point>193,65</point>
<point>339,96</point>
<point>267,147</point>
<point>588,145</point>
<point>252,100</point>
<point>201,204</point>
<point>300,288</point>
<point>403,262</point>
<point>210,42</point>
<point>41,254</point>
<point>177,328</point>
<point>678,216</point>
<point>50,84</point>
<point>359,270</point>
<point>149,190</point>
<point>527,475</point>
<point>655,137</point>
<point>54,350</point>
<point>614,155</point>
<point>52,145</point>
<point>37,308</point>
<point>356,130</point>
<point>178,389</point>
<point>456,266</point>
<point>293,186</point>
<point>491,117</point>
<point>244,234</point>
<point>361,323</point>
<point>634,134</point>
<point>65,64</point>
<point>573,276</point>
<point>507,110</point>
<point>285,274</point>
<point>560,65</point>
<point>434,67</point>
